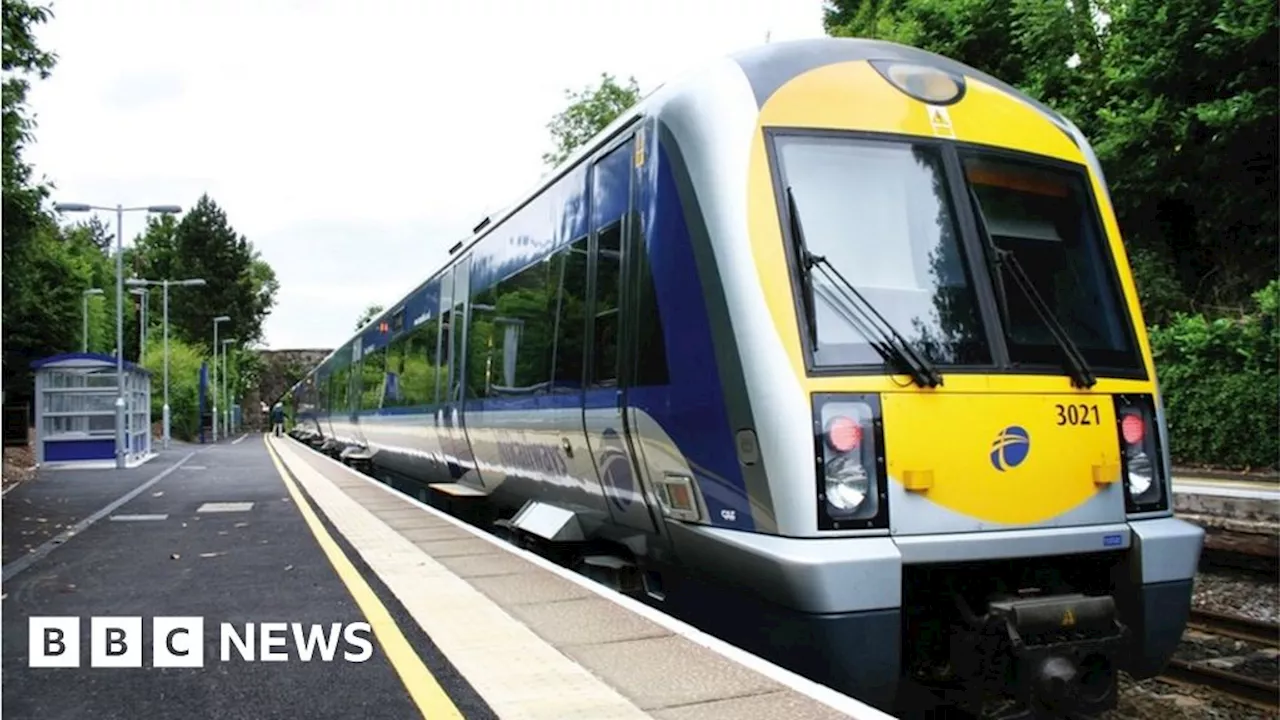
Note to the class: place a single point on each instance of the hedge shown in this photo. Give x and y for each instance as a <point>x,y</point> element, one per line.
<point>1220,378</point>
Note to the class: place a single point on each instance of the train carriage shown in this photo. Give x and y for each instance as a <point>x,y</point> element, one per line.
<point>830,348</point>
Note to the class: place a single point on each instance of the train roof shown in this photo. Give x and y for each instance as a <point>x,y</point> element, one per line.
<point>769,67</point>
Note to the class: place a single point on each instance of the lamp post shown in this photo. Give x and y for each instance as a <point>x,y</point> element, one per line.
<point>142,322</point>
<point>219,319</point>
<point>164,284</point>
<point>120,211</point>
<point>226,380</point>
<point>84,341</point>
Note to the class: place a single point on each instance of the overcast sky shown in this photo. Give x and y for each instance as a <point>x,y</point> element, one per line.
<point>352,141</point>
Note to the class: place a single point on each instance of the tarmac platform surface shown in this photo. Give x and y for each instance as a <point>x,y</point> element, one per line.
<point>172,551</point>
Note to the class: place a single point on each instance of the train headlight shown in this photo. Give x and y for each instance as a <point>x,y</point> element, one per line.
<point>1141,475</point>
<point>847,484</point>
<point>922,82</point>
<point>848,435</point>
<point>1145,479</point>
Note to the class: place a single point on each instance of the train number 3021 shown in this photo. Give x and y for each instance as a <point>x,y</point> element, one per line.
<point>1078,414</point>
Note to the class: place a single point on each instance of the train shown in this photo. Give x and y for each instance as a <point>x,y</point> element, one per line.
<point>830,348</point>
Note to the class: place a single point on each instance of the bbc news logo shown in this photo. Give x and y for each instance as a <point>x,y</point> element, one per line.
<point>179,642</point>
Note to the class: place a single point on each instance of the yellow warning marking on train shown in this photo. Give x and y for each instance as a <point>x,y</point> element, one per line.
<point>940,119</point>
<point>1068,618</point>
<point>431,699</point>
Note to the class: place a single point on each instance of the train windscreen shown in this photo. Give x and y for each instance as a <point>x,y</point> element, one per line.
<point>1041,215</point>
<point>880,214</point>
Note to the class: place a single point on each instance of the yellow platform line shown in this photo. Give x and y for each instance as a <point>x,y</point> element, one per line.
<point>431,699</point>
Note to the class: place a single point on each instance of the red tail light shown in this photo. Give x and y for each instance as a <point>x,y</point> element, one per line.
<point>1133,429</point>
<point>843,434</point>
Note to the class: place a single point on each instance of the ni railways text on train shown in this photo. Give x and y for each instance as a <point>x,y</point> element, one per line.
<point>830,348</point>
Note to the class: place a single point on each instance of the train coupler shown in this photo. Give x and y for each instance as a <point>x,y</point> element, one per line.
<point>1041,656</point>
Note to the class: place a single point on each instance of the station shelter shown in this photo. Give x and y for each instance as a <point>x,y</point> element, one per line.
<point>75,410</point>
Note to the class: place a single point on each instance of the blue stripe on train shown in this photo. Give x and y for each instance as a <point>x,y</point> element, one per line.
<point>692,409</point>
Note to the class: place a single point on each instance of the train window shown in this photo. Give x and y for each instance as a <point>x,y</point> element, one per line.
<point>880,214</point>
<point>480,343</point>
<point>611,186</point>
<point>341,386</point>
<point>523,317</point>
<point>457,326</point>
<point>392,395</point>
<point>325,393</point>
<point>416,383</point>
<point>570,265</point>
<point>373,370</point>
<point>604,364</point>
<point>1041,215</point>
<point>444,356</point>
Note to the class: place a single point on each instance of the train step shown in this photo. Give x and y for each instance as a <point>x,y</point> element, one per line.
<point>356,456</point>
<point>615,572</point>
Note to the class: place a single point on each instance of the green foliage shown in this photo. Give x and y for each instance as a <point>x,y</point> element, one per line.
<point>1186,127</point>
<point>184,384</point>
<point>204,245</point>
<point>1220,385</point>
<point>26,230</point>
<point>590,110</point>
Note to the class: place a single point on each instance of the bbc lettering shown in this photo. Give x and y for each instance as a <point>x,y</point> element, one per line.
<point>178,642</point>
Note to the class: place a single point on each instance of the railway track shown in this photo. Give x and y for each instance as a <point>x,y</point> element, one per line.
<point>1243,688</point>
<point>1234,626</point>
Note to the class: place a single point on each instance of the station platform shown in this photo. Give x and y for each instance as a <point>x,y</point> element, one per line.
<point>1239,516</point>
<point>263,530</point>
<point>1221,487</point>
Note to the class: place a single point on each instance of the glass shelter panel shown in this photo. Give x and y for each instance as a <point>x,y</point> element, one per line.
<point>76,410</point>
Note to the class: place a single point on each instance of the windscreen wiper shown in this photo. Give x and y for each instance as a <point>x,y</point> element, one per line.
<point>1077,366</point>
<point>806,291</point>
<point>883,337</point>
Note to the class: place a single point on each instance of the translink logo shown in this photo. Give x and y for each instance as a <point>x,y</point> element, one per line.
<point>116,642</point>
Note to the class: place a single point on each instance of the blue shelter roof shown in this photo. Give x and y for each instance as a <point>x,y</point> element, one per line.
<point>70,359</point>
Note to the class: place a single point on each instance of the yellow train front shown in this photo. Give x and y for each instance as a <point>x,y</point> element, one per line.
<point>951,429</point>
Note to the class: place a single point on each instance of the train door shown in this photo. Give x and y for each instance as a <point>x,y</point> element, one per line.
<point>450,417</point>
<point>608,434</point>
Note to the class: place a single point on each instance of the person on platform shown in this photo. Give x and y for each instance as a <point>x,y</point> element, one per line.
<point>277,419</point>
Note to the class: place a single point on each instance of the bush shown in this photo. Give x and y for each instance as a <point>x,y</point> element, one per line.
<point>1220,379</point>
<point>184,385</point>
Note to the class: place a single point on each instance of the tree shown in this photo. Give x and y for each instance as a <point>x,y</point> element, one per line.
<point>21,59</point>
<point>590,110</point>
<point>31,263</point>
<point>368,315</point>
<point>94,232</point>
<point>1186,126</point>
<point>204,245</point>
